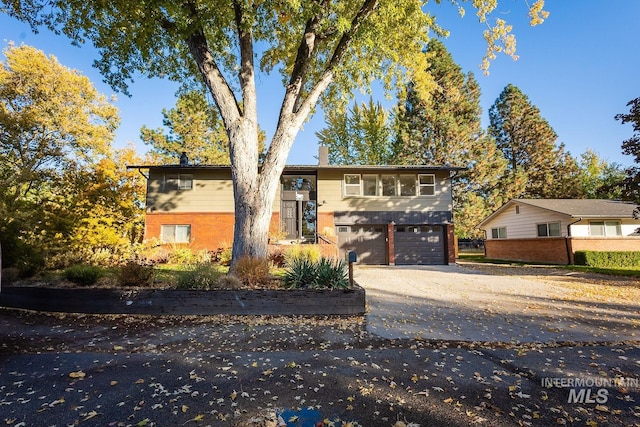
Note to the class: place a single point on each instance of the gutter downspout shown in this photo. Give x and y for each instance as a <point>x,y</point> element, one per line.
<point>566,239</point>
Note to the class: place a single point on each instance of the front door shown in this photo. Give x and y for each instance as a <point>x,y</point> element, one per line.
<point>298,208</point>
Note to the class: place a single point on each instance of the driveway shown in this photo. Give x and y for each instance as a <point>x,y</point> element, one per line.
<point>471,302</point>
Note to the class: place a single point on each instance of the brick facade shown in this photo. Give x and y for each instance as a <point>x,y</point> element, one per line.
<point>552,250</point>
<point>208,230</point>
<point>451,245</point>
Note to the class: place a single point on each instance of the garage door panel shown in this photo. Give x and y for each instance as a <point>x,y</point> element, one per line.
<point>368,241</point>
<point>419,245</point>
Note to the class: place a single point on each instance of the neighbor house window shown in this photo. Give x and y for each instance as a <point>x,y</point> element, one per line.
<point>605,228</point>
<point>427,184</point>
<point>175,233</point>
<point>352,185</point>
<point>389,185</point>
<point>551,229</point>
<point>499,233</point>
<point>179,182</point>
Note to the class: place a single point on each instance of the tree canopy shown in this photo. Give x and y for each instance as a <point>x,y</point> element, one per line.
<point>63,187</point>
<point>631,183</point>
<point>320,47</point>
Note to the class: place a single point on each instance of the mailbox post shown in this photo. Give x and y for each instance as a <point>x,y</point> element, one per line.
<point>353,257</point>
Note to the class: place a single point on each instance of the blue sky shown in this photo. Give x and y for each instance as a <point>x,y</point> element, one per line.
<point>580,68</point>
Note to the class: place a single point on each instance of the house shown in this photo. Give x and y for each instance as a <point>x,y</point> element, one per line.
<point>386,214</point>
<point>552,230</point>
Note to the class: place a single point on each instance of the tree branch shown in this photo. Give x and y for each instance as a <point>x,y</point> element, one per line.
<point>247,70</point>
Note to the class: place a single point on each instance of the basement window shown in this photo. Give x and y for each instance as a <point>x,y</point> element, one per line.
<point>175,233</point>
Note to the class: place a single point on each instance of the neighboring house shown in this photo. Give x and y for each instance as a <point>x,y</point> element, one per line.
<point>552,230</point>
<point>387,214</point>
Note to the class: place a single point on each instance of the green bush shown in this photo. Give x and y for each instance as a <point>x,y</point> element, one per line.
<point>135,274</point>
<point>629,259</point>
<point>198,276</point>
<point>83,275</point>
<point>324,273</point>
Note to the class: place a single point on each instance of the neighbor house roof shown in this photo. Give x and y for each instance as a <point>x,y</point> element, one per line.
<point>574,208</point>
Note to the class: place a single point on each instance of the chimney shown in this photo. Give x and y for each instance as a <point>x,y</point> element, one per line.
<point>323,155</point>
<point>184,160</point>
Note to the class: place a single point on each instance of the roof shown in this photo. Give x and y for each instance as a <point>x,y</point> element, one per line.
<point>574,208</point>
<point>311,167</point>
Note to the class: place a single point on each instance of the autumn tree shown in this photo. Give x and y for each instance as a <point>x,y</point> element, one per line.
<point>320,48</point>
<point>630,185</point>
<point>52,120</point>
<point>529,143</point>
<point>600,179</point>
<point>360,136</point>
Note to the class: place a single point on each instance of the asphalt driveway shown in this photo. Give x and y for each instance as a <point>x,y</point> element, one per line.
<point>499,304</point>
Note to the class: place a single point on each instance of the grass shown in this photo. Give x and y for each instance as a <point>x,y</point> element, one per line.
<point>629,272</point>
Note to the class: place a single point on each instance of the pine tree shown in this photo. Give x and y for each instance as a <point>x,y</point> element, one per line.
<point>631,183</point>
<point>529,144</point>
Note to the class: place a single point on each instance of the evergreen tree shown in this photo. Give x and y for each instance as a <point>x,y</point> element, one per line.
<point>529,144</point>
<point>631,184</point>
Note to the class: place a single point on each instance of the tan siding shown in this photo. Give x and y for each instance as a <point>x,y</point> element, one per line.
<point>330,190</point>
<point>212,192</point>
<point>524,224</point>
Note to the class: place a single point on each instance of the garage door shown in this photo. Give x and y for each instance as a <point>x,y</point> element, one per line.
<point>368,241</point>
<point>419,244</point>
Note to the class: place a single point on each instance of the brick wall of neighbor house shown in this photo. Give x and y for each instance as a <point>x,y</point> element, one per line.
<point>603,244</point>
<point>208,230</point>
<point>549,250</point>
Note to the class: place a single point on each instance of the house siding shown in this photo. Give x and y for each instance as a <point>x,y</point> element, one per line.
<point>209,206</point>
<point>523,225</point>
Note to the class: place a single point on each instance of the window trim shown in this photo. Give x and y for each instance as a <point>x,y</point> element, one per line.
<point>358,185</point>
<point>548,229</point>
<point>497,230</point>
<point>175,230</point>
<point>397,187</point>
<point>421,185</point>
<point>181,179</point>
<point>604,224</point>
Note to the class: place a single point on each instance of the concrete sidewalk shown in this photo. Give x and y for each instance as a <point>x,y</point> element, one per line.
<point>462,304</point>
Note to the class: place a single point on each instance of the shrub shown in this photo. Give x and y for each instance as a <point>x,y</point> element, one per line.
<point>135,274</point>
<point>252,271</point>
<point>181,255</point>
<point>84,275</point>
<point>620,259</point>
<point>229,281</point>
<point>295,252</point>
<point>332,274</point>
<point>198,276</point>
<point>324,273</point>
<point>277,258</point>
<point>300,274</point>
<point>221,256</point>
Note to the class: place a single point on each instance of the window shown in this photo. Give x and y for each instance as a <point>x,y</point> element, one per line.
<point>175,233</point>
<point>389,185</point>
<point>407,185</point>
<point>427,184</point>
<point>499,233</point>
<point>179,182</point>
<point>551,229</point>
<point>352,185</point>
<point>605,228</point>
<point>369,185</point>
